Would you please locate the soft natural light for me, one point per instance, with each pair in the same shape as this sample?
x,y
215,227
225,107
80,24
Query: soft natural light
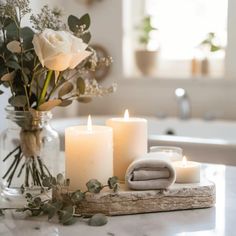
x,y
183,24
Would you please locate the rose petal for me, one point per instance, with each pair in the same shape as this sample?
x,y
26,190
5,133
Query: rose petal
x,y
37,48
59,62
78,58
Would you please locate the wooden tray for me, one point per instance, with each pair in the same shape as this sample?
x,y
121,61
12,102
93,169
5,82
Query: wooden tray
x,y
127,202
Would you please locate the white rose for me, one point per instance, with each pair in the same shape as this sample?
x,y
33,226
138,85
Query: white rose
x,y
59,50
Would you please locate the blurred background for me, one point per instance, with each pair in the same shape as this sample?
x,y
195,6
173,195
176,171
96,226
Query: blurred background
x,y
158,46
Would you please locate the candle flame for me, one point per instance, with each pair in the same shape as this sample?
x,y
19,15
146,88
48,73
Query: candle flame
x,y
126,115
184,161
89,123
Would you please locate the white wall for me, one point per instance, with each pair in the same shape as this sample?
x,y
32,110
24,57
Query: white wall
x,y
146,96
152,96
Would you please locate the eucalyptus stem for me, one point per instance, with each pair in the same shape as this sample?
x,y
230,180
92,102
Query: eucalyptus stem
x,y
45,87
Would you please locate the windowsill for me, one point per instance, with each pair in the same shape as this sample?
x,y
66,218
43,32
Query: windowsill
x,y
176,82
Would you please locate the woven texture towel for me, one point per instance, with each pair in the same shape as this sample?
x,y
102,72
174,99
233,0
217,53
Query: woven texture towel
x,y
147,174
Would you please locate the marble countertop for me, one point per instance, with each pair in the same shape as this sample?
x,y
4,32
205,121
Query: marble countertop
x,y
219,220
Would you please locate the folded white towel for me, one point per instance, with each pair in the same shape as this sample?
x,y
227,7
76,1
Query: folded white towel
x,y
145,174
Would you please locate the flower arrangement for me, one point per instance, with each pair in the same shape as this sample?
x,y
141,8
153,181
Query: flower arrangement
x,y
44,66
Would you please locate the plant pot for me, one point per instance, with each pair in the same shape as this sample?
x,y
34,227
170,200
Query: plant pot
x,y
29,151
146,61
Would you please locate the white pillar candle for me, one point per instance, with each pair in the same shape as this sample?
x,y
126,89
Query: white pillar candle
x,y
89,154
187,171
130,141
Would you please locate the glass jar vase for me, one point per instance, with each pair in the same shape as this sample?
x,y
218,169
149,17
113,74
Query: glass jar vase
x,y
29,151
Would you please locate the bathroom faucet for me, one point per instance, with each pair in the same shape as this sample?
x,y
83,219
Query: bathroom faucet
x,y
183,102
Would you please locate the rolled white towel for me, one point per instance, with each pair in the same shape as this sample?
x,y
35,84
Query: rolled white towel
x,y
146,174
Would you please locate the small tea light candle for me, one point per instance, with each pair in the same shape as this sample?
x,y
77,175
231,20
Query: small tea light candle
x,y
187,171
167,153
89,154
130,141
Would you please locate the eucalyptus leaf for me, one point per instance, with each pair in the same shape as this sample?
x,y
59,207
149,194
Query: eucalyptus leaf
x,y
65,103
85,20
12,31
13,65
94,186
27,34
8,77
73,23
65,216
49,105
86,37
80,85
51,211
77,196
46,182
14,46
84,99
71,221
98,220
65,89
60,179
18,101
112,182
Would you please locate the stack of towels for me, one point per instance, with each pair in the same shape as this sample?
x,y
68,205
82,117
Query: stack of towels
x,y
147,174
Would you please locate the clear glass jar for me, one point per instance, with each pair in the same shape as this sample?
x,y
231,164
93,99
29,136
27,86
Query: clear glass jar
x,y
29,151
168,152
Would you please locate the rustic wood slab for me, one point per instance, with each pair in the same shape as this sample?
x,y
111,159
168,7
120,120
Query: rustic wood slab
x,y
127,202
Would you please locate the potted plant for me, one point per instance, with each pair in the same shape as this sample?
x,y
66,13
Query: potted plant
x,y
208,45
146,59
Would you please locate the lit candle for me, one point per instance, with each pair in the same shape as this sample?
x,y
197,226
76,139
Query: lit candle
x,y
130,141
89,154
187,171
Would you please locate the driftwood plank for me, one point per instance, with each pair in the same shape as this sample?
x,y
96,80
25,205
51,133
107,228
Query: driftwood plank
x,y
127,202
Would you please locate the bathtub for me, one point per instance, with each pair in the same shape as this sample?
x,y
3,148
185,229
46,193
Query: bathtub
x,y
204,141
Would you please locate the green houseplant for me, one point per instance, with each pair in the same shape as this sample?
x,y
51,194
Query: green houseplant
x,y
207,46
146,59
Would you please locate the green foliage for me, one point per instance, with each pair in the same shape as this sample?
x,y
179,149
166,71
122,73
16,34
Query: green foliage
x,y
94,186
98,220
210,42
64,202
38,87
145,29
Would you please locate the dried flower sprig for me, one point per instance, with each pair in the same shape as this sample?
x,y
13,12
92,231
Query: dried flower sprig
x,y
47,19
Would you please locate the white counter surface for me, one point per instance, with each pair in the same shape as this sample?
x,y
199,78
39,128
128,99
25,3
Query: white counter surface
x,y
219,220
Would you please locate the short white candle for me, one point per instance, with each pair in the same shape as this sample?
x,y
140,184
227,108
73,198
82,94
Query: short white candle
x,y
187,171
169,153
89,154
130,141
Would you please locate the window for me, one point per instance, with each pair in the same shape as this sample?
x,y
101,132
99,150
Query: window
x,y
182,26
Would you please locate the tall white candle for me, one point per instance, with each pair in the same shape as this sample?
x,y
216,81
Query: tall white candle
x,y
187,171
89,154
130,141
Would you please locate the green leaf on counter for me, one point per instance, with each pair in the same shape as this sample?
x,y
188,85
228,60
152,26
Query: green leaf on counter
x,y
94,186
98,220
